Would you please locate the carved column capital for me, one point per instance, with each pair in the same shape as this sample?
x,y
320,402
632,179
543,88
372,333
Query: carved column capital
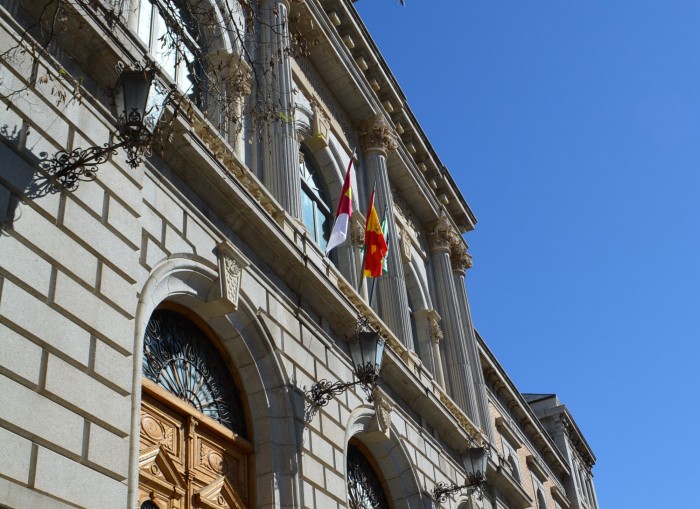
x,y
376,135
459,257
441,234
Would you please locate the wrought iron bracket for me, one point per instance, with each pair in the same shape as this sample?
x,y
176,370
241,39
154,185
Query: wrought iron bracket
x,y
323,391
475,484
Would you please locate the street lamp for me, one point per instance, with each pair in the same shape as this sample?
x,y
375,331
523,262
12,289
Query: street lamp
x,y
140,100
366,351
475,463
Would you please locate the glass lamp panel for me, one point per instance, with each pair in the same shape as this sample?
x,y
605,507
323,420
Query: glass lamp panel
x,y
130,97
476,461
157,98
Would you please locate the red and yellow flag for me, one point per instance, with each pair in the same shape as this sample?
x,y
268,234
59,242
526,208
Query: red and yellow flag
x,y
375,244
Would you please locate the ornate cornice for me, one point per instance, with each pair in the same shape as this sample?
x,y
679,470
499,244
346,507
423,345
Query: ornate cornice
x,y
376,135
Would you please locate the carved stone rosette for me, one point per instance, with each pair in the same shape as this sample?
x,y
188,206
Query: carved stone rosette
x,y
376,135
231,266
441,234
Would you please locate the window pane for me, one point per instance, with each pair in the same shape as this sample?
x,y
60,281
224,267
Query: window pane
x,y
323,229
144,24
307,212
160,46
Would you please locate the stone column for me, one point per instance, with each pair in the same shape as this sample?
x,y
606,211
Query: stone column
x,y
376,139
461,261
441,237
280,157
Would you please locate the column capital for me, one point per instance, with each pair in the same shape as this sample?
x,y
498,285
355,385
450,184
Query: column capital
x,y
376,135
441,234
460,258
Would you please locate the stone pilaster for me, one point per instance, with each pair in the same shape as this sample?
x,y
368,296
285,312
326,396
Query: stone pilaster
x,y
461,261
441,236
376,139
280,155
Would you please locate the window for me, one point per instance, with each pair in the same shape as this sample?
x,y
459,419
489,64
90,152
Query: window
x,y
173,39
315,211
541,503
365,489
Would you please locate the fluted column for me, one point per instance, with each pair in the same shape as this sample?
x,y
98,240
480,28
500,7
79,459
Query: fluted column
x,y
441,237
280,155
376,139
461,261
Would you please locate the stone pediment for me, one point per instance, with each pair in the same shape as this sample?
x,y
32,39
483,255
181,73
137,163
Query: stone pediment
x,y
218,495
160,472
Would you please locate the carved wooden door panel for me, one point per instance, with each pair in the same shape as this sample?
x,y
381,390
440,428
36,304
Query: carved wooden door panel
x,y
187,460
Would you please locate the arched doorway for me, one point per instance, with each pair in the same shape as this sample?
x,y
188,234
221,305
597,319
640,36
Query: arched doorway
x,y
194,448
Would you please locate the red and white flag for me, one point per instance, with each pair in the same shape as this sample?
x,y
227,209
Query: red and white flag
x,y
342,215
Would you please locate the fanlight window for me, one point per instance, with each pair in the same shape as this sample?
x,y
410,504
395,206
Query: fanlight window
x,y
173,39
365,489
178,356
315,211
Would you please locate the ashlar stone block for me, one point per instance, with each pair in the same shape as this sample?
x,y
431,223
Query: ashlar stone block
x,y
68,480
45,323
19,355
57,425
87,395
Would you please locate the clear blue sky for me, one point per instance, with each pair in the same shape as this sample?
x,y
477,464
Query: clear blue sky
x,y
573,130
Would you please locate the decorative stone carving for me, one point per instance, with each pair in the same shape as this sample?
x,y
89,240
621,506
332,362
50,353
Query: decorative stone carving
x,y
436,334
320,127
357,229
376,134
383,408
405,244
441,234
231,266
459,257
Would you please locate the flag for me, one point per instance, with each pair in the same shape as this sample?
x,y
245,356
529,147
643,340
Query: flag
x,y
375,245
342,215
385,231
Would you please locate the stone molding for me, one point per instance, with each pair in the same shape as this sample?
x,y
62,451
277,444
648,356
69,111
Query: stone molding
x,y
376,135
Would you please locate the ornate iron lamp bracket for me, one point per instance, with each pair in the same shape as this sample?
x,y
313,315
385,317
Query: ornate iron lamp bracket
x,y
366,371
475,484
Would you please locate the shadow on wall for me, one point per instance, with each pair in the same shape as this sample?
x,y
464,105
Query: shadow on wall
x,y
23,175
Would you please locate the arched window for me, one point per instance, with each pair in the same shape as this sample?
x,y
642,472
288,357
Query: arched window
x,y
365,490
315,211
541,503
172,36
193,444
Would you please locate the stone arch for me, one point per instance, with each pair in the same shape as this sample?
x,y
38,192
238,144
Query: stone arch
x,y
390,456
189,280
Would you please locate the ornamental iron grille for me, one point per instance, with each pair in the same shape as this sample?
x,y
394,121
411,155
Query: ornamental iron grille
x,y
365,489
178,356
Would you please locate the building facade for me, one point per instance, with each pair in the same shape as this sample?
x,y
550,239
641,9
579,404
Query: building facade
x,y
161,324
